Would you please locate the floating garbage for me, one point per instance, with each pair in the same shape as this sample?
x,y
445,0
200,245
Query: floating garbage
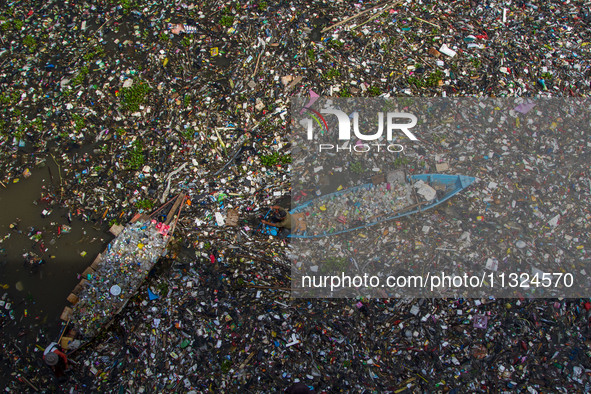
x,y
94,93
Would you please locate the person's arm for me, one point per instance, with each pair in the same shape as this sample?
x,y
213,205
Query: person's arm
x,y
270,224
49,348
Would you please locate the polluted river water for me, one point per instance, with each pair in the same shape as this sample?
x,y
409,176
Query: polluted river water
x,y
42,253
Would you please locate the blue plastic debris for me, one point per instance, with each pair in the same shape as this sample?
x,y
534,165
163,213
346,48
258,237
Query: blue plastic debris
x,y
152,296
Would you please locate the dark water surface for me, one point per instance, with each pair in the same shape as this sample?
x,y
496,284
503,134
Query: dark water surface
x,y
41,289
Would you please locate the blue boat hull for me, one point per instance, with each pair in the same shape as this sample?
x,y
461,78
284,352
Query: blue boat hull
x,y
453,183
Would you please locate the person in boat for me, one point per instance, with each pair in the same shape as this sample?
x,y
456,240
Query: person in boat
x,y
56,359
279,218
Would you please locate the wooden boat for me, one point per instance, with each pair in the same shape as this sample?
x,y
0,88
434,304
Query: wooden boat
x,y
373,203
116,274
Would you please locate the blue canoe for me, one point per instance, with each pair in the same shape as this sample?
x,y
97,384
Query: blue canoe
x,y
373,204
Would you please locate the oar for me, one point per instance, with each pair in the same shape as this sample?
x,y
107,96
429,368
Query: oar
x,y
64,330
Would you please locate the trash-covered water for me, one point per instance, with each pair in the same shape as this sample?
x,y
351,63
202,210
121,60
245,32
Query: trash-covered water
x,y
206,112
42,252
